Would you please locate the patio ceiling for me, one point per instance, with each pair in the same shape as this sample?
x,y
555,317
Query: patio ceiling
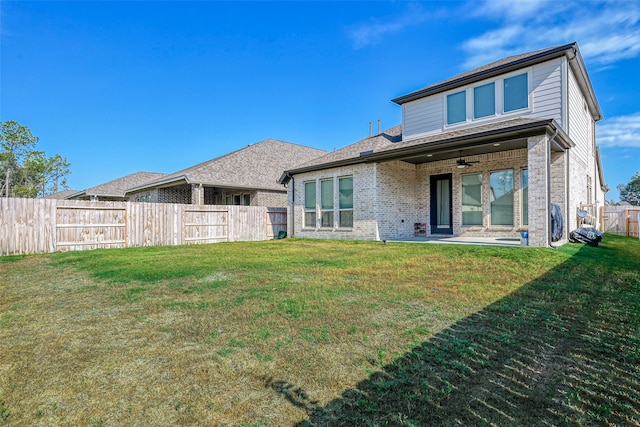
x,y
465,150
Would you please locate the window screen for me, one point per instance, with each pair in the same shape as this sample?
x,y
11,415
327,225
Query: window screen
x,y
484,100
502,197
516,92
456,107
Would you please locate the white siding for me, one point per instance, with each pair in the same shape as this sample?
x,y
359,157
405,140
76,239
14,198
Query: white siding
x,y
547,91
579,126
423,116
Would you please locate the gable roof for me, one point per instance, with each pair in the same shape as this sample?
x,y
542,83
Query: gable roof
x,y
255,167
513,63
60,194
445,145
117,187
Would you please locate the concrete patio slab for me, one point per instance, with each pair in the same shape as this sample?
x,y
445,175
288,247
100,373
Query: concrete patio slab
x,y
492,241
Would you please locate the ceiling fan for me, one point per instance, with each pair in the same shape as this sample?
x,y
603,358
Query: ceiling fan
x,y
462,163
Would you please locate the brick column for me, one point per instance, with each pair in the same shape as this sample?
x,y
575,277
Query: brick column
x,y
559,185
538,164
197,194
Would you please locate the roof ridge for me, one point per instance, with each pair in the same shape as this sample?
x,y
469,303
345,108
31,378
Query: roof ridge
x,y
484,71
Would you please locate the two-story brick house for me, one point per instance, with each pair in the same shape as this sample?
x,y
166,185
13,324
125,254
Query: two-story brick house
x,y
485,153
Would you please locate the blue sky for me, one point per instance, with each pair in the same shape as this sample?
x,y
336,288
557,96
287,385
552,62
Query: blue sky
x,y
120,87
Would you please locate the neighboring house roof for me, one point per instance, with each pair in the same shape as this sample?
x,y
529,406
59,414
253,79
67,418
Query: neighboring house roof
x,y
117,187
60,194
446,145
255,167
513,63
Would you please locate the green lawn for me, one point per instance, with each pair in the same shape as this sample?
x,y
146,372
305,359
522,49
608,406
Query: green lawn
x,y
322,333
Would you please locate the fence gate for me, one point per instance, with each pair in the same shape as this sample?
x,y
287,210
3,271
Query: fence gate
x,y
276,222
90,227
620,220
206,226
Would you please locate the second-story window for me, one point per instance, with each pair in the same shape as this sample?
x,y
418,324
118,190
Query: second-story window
x,y
456,107
502,96
484,100
516,92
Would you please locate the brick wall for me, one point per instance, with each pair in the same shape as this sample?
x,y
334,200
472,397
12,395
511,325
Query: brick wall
x,y
398,187
390,197
178,194
269,198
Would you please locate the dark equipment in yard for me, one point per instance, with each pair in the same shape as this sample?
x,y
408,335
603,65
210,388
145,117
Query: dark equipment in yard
x,y
588,235
556,223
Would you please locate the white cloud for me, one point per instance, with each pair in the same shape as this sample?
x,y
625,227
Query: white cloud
x,y
605,31
510,9
620,131
370,33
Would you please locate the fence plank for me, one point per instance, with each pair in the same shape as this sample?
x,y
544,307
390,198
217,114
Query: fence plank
x,y
632,222
30,226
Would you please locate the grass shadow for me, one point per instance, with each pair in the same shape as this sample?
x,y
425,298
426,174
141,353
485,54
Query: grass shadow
x,y
562,350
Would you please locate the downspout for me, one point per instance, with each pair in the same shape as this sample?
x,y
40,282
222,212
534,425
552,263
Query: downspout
x,y
568,191
594,184
549,231
292,206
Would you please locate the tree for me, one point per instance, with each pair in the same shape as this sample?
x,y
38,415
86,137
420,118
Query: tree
x,y
57,168
16,141
28,172
631,191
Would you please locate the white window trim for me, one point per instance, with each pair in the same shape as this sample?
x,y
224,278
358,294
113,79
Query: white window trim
x,y
499,100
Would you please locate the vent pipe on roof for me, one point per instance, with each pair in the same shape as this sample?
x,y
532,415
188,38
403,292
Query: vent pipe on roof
x,y
370,129
378,126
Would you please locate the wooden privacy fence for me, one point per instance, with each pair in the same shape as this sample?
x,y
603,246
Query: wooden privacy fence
x,y
29,226
620,220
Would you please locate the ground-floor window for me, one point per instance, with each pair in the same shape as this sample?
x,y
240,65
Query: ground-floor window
x,y
472,199
501,197
238,199
310,204
326,203
345,190
525,197
329,193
